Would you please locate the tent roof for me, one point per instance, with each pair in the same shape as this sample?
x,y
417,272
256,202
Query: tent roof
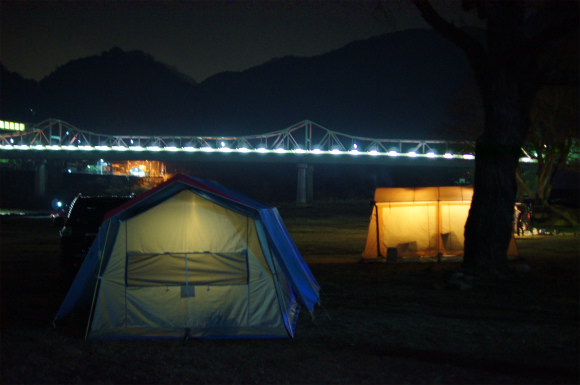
x,y
179,182
424,194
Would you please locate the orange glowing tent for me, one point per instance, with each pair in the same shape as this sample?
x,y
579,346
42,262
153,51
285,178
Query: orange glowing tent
x,y
420,222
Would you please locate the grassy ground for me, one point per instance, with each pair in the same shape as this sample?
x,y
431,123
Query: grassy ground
x,y
379,323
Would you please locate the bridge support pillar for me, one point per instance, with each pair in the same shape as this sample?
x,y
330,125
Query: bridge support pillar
x,y
40,180
310,184
47,182
305,185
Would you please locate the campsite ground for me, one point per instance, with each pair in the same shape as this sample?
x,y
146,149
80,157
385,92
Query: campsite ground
x,y
380,323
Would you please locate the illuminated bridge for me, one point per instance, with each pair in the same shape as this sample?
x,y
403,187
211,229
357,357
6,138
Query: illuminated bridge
x,y
303,143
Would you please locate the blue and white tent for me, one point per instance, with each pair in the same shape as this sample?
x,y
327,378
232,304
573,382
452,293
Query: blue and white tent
x,y
191,258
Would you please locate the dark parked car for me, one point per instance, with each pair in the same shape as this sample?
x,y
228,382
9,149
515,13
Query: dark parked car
x,y
81,224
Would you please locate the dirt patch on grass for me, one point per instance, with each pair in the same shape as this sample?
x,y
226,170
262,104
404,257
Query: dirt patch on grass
x,y
379,323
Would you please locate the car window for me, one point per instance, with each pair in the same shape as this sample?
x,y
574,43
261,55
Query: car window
x,y
92,211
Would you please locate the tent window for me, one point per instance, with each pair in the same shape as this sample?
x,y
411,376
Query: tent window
x,y
184,269
187,291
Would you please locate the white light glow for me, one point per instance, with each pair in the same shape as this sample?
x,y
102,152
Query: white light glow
x,y
222,146
527,160
136,171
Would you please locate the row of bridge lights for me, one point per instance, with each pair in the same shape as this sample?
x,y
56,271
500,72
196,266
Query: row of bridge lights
x,y
224,148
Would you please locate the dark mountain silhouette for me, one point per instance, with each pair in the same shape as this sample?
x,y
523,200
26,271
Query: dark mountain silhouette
x,y
18,97
395,85
115,92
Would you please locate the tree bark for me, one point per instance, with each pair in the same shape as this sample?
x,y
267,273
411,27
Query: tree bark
x,y
565,214
523,186
492,207
488,229
507,95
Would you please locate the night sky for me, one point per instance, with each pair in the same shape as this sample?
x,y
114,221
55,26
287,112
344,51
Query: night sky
x,y
198,38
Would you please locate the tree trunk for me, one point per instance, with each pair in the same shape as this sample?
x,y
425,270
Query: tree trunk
x,y
523,186
506,70
492,207
488,229
507,85
565,214
545,166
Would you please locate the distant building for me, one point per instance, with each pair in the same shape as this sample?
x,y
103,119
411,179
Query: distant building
x,y
12,126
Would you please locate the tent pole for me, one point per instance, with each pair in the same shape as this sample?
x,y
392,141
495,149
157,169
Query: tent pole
x,y
378,237
98,283
439,230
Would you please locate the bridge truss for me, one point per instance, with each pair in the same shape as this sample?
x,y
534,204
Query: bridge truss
x,y
305,137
